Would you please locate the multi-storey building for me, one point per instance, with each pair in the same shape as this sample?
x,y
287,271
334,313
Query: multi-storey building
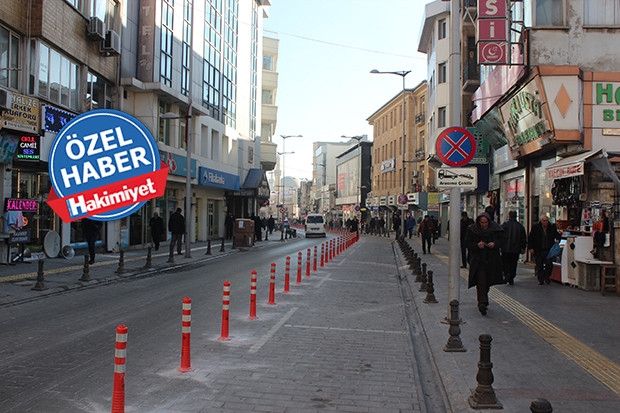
x,y
324,177
189,71
389,161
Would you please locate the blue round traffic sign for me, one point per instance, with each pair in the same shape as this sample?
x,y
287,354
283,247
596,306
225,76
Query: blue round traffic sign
x,y
455,146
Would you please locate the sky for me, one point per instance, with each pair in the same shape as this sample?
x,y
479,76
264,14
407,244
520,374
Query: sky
x,y
326,52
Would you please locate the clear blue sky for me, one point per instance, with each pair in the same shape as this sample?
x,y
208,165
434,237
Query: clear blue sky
x,y
327,50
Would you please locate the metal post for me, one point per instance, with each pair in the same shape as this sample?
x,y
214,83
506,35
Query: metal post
x,y
188,182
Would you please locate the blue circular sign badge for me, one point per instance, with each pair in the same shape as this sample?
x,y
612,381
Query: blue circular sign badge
x,y
104,164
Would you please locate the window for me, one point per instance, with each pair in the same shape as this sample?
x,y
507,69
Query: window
x,y
442,73
602,13
441,117
163,134
550,13
188,11
442,29
267,62
60,85
98,93
9,58
167,18
267,97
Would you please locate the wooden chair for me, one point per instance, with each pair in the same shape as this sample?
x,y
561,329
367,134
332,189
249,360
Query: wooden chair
x,y
609,278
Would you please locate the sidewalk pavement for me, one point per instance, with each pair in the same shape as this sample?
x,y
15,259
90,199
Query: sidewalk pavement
x,y
552,342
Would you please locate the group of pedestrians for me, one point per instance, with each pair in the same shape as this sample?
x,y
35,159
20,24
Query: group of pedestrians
x,y
492,251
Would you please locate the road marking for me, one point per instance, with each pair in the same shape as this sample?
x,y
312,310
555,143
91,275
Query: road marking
x,y
594,363
260,343
358,330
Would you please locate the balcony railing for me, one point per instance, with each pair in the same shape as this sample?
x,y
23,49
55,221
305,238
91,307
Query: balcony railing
x,y
419,118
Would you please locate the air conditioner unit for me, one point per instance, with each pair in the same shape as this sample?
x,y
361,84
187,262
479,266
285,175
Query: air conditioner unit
x,y
6,99
112,43
96,29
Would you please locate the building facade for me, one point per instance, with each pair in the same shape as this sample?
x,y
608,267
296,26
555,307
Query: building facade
x,y
197,63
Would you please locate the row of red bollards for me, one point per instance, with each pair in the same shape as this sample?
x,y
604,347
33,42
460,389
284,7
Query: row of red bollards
x,y
329,249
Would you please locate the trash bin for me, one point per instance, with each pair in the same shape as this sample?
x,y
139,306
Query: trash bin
x,y
243,232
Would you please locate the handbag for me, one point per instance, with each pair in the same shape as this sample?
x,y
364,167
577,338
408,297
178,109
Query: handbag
x,y
554,251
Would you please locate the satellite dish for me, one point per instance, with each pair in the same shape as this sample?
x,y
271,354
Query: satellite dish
x,y
51,244
67,252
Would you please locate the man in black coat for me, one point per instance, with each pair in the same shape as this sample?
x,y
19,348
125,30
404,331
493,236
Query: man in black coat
x,y
176,226
466,221
542,237
158,230
514,245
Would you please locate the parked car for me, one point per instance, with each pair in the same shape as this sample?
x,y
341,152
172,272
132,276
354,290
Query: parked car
x,y
315,225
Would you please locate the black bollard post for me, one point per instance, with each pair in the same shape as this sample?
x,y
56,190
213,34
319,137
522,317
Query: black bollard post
x,y
418,272
541,406
86,271
121,263
484,395
149,258
267,234
222,247
423,285
40,284
454,343
430,289
208,247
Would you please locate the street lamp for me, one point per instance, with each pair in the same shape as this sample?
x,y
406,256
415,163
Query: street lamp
x,y
401,73
359,165
284,138
188,174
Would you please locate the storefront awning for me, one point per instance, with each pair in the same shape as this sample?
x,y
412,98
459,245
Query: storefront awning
x,y
575,165
257,180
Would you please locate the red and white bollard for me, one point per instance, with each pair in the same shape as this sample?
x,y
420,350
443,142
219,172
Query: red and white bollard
x,y
322,254
299,264
287,274
225,311
186,330
308,263
314,262
253,296
120,356
272,285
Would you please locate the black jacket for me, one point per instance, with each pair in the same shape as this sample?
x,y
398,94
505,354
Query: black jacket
x,y
537,240
514,237
176,223
485,258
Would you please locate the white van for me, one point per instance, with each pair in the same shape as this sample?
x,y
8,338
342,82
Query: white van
x,y
315,225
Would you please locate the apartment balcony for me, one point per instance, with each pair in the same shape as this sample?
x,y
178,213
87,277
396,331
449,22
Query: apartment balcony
x,y
420,118
268,155
471,76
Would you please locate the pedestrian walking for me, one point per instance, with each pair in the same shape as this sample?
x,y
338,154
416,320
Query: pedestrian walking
x,y
158,230
176,226
271,223
258,227
90,231
437,225
381,226
513,246
466,221
229,223
540,240
426,229
410,223
483,240
396,224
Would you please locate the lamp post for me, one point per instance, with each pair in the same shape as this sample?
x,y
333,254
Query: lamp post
x,y
359,166
401,73
188,174
284,138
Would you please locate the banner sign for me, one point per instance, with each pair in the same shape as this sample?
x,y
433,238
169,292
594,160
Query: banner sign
x,y
104,165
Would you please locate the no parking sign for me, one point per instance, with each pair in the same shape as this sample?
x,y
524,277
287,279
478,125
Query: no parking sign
x,y
104,164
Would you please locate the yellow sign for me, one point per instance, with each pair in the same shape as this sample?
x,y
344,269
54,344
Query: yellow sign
x,y
23,115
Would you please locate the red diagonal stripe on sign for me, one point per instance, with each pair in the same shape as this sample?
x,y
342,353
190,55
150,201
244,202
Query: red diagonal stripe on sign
x,y
141,184
456,146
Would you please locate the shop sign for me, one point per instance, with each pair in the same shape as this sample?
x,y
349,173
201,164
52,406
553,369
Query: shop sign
x,y
23,205
492,31
23,115
525,117
388,165
606,105
29,148
54,119
21,236
565,171
217,179
104,164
